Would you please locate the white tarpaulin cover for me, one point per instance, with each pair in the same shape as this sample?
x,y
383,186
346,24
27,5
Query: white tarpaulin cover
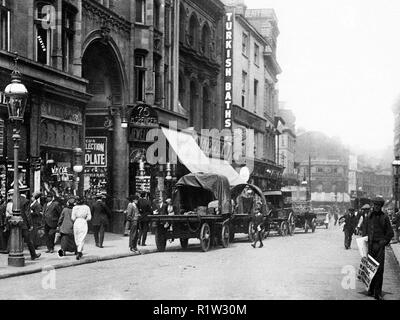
x,y
190,154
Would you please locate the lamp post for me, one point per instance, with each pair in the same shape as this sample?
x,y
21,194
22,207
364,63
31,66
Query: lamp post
x,y
16,96
78,167
396,175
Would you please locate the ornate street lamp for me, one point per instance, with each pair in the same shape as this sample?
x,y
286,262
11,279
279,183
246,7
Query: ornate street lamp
x,y
78,166
396,175
16,96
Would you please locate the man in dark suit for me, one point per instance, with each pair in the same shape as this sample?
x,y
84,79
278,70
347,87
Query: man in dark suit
x,y
350,224
37,219
27,225
378,228
51,213
144,206
100,219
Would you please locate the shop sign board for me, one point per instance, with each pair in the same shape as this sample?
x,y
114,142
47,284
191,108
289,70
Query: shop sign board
x,y
142,118
96,152
228,84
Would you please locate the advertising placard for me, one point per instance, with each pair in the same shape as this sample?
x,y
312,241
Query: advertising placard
x,y
96,152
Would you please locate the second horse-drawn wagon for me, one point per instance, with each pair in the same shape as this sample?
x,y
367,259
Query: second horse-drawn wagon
x,y
247,199
203,209
281,216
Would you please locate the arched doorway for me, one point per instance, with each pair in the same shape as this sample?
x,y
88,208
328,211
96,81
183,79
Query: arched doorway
x,y
106,155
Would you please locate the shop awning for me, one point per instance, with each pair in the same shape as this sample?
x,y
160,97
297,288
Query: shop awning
x,y
190,154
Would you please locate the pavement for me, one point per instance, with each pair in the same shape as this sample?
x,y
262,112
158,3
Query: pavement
x,y
115,247
396,251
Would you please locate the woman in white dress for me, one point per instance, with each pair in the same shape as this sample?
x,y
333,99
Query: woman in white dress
x,y
80,215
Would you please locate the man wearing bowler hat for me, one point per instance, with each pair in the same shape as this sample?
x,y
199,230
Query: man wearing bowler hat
x,y
379,231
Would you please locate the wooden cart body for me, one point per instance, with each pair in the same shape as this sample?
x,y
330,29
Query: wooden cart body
x,y
195,219
242,222
281,217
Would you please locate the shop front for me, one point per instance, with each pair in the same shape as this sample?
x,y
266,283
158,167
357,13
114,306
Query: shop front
x,y
61,132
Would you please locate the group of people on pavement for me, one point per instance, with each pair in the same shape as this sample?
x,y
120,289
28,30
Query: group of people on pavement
x,y
69,221
137,217
376,225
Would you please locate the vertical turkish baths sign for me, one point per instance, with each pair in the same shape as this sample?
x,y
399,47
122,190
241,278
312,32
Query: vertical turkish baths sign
x,y
228,86
96,152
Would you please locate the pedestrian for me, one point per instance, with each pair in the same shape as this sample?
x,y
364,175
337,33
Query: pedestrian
x,y
378,228
66,229
361,217
80,216
258,225
5,216
51,212
336,216
396,226
350,223
133,217
37,218
26,224
144,206
100,219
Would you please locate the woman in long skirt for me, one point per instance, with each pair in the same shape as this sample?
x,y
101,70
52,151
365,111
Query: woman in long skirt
x,y
80,215
66,229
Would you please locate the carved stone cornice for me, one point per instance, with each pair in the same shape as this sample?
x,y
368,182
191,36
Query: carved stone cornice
x,y
105,17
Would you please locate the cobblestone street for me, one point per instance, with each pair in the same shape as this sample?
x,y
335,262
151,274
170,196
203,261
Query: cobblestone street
x,y
304,266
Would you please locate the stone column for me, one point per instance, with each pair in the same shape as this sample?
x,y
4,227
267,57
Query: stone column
x,y
120,176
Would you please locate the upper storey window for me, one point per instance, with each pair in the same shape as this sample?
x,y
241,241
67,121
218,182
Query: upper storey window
x,y
4,26
140,11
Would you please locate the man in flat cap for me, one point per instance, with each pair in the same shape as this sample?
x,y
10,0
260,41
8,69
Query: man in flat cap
x,y
350,223
378,228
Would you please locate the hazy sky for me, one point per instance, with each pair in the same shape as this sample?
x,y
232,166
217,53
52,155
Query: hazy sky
x,y
341,65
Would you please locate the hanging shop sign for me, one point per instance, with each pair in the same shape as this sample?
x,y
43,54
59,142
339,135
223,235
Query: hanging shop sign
x,y
142,118
229,18
96,152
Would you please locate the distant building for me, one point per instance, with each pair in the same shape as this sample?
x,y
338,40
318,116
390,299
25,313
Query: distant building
x,y
287,146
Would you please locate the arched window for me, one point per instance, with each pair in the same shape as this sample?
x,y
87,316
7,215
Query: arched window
x,y
193,31
205,40
182,23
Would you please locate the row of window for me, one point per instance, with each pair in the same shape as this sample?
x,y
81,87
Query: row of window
x,y
245,48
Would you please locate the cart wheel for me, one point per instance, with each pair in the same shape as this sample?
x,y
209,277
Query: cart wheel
x,y
205,237
251,232
284,229
184,243
161,240
313,225
225,236
306,226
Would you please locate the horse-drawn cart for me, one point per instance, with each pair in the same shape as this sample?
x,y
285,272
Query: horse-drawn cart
x,y
203,203
245,206
281,217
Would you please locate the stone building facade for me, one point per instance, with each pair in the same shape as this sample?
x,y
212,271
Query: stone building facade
x,y
89,66
254,96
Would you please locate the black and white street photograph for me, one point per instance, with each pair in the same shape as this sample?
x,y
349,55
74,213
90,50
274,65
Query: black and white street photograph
x,y
200,150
